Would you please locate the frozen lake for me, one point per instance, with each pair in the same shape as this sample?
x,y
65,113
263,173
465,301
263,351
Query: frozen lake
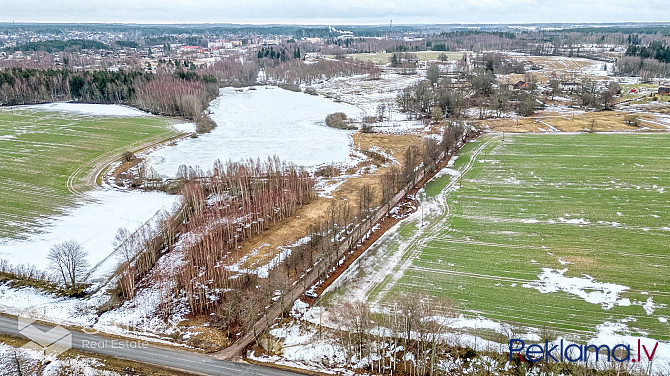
x,y
260,123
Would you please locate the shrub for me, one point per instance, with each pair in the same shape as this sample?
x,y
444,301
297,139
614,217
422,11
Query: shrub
x,y
128,156
327,171
204,124
311,91
632,119
337,120
367,128
291,87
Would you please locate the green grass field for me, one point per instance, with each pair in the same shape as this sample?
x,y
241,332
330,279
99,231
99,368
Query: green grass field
x,y
569,207
48,158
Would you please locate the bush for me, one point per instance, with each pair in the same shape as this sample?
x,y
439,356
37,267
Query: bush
x,y
290,87
327,171
370,119
204,124
128,156
632,119
367,128
337,120
311,91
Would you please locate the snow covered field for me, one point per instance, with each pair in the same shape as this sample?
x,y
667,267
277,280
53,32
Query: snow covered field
x,y
368,95
260,123
93,225
89,109
96,215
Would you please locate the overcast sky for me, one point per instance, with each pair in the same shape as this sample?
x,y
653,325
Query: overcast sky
x,y
333,11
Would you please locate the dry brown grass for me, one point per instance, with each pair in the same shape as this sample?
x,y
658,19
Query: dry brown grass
x,y
263,248
563,68
202,335
600,121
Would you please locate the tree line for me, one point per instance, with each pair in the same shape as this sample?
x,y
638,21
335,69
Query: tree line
x,y
646,61
55,45
296,72
183,93
655,50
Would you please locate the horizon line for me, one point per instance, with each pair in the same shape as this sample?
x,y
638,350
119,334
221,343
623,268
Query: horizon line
x,y
162,23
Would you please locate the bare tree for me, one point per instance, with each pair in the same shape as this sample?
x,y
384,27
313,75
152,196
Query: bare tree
x,y
431,153
365,198
123,244
606,96
69,260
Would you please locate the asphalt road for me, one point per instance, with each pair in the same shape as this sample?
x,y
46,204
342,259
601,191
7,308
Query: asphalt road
x,y
145,353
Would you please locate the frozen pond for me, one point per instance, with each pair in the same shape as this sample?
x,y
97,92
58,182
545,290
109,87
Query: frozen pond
x,y
261,123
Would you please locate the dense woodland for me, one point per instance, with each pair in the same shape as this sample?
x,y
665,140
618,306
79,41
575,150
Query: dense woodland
x,y
175,90
296,72
58,45
647,61
180,94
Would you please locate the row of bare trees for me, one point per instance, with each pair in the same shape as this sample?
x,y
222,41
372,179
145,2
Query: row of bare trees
x,y
139,250
174,96
408,338
297,72
646,68
232,71
347,223
237,201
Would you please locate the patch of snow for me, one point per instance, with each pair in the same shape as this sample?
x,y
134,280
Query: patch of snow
x,y
563,262
90,109
184,127
649,306
602,293
93,224
263,271
574,221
